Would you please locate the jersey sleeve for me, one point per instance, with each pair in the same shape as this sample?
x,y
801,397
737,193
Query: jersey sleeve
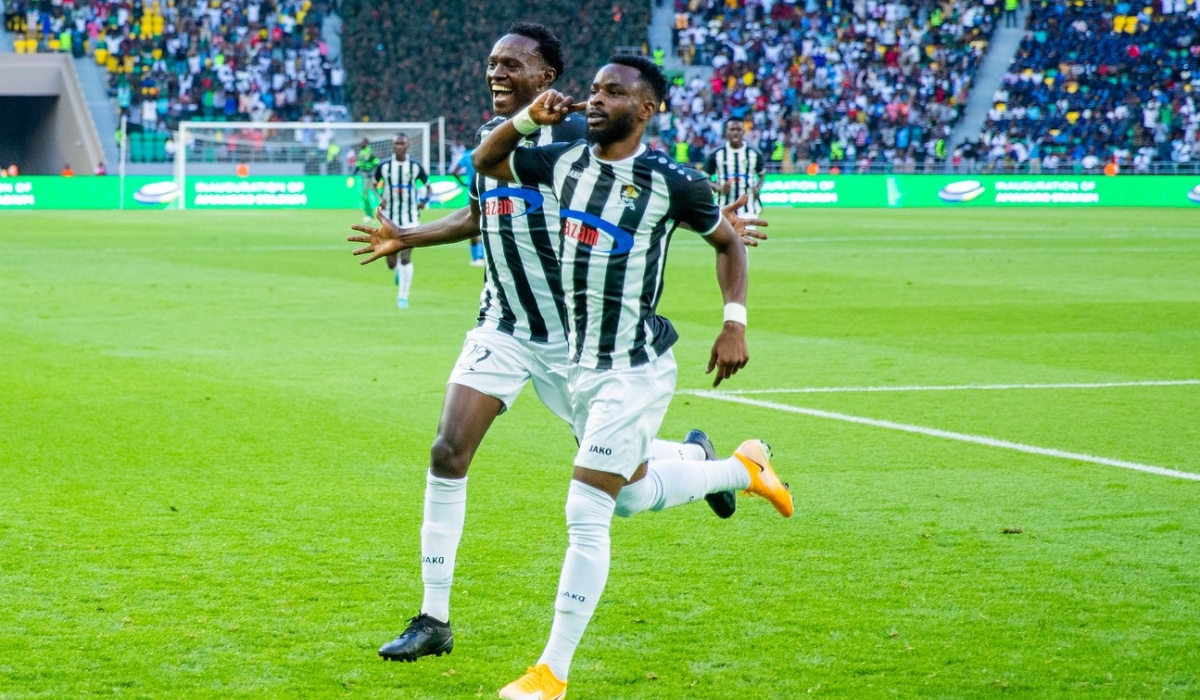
x,y
573,128
535,166
377,172
760,166
421,174
473,189
692,203
710,164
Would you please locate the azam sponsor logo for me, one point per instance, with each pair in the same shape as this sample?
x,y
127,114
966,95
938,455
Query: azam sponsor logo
x,y
499,201
961,191
587,229
498,207
162,192
580,232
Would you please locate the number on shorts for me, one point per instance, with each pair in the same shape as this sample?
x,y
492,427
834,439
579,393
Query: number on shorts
x,y
474,357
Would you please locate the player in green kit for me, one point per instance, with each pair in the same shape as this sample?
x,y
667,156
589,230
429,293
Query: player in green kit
x,y
365,163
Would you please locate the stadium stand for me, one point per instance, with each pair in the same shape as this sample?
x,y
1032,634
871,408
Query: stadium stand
x,y
848,84
235,60
404,70
1100,82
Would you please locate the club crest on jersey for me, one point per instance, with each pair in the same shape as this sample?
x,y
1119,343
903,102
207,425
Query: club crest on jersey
x,y
587,229
629,195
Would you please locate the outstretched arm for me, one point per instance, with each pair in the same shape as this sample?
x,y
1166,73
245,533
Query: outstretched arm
x,y
390,239
729,352
491,158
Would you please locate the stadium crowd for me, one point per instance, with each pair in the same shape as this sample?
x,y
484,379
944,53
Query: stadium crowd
x,y
1099,83
168,60
397,52
850,83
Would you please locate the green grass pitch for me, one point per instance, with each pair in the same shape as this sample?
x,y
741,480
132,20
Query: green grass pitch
x,y
214,429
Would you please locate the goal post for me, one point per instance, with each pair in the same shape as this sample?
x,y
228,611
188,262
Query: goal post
x,y
229,149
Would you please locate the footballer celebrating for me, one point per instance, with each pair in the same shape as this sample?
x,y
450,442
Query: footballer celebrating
x,y
520,338
619,203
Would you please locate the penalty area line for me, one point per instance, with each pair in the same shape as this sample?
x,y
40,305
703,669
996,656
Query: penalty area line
x,y
948,435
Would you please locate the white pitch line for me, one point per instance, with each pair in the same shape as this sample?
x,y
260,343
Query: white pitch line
x,y
1181,234
962,437
946,387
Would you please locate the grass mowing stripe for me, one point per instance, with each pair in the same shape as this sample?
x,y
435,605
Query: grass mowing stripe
x,y
961,437
952,387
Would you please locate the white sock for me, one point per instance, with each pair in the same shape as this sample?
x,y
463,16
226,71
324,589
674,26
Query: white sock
x,y
584,572
445,510
672,482
661,449
406,275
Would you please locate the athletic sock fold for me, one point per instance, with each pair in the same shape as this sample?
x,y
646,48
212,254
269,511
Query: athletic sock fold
x,y
662,449
674,482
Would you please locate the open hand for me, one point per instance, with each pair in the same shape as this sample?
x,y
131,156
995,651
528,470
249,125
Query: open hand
x,y
381,241
750,236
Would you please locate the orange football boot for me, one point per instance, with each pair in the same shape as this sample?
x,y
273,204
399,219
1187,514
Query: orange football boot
x,y
539,683
755,456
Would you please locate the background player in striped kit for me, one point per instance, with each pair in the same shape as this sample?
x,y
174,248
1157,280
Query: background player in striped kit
x,y
619,204
519,271
397,177
737,169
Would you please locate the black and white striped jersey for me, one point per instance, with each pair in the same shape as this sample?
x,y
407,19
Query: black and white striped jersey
x,y
400,195
522,283
742,168
617,219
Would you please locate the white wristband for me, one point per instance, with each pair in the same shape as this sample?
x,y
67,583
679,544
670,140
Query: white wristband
x,y
735,313
524,123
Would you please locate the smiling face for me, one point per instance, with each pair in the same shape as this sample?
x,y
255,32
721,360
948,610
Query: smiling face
x,y
516,74
618,102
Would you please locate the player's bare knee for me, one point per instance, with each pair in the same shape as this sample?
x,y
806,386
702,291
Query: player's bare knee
x,y
448,460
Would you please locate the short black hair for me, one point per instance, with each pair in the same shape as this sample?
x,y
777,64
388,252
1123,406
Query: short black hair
x,y
735,120
548,45
651,74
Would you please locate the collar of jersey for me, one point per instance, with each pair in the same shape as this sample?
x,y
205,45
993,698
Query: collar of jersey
x,y
641,149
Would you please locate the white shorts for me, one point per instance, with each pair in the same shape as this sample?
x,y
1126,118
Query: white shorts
x,y
499,365
617,412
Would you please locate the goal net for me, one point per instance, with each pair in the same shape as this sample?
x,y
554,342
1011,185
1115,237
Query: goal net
x,y
291,149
